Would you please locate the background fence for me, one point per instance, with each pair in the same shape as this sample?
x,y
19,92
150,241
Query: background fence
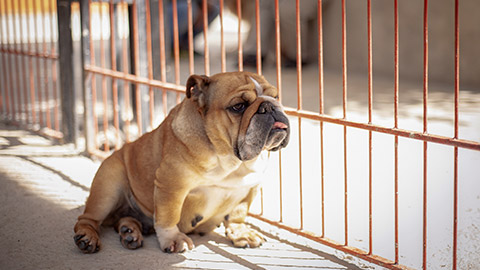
x,y
383,160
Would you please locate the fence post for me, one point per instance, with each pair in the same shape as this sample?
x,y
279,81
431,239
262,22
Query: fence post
x,y
139,61
67,89
87,85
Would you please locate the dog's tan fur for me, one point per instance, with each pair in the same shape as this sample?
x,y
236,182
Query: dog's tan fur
x,y
184,176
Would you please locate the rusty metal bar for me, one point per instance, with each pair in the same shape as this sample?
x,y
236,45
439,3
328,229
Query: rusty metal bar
x,y
395,102
31,54
93,79
17,66
135,79
321,105
136,60
455,160
45,66
222,39
5,84
299,104
163,66
333,244
22,60
149,60
54,28
425,128
113,64
370,145
259,40
9,63
176,50
30,68
104,81
240,44
279,87
191,68
461,143
278,51
4,60
205,37
126,85
344,72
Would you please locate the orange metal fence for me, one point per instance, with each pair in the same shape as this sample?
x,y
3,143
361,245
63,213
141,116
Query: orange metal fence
x,y
29,61
126,87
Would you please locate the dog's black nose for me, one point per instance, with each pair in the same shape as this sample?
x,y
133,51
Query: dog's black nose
x,y
266,107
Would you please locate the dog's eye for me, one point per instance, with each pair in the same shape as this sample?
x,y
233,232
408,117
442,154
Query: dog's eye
x,y
239,107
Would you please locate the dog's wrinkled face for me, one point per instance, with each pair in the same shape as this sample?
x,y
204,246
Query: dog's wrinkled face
x,y
241,113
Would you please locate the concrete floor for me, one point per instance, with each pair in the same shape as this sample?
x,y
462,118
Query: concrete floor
x,y
44,187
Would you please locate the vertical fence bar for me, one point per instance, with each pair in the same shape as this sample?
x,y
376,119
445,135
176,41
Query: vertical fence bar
x,y
113,64
370,146
15,62
45,65
136,60
54,28
299,104
205,37
93,78
321,109
56,120
126,84
66,62
425,123
85,15
104,80
10,63
22,60
455,166
3,45
240,45
30,65
259,64
176,49
191,68
149,59
39,75
16,57
395,112
279,87
163,66
344,71
259,40
222,39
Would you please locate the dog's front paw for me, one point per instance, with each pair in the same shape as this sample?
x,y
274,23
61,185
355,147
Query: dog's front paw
x,y
242,236
171,240
87,240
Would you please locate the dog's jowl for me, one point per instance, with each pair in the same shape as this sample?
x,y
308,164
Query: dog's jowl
x,y
192,173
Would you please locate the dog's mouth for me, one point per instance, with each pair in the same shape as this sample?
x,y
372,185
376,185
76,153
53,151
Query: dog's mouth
x,y
278,136
280,125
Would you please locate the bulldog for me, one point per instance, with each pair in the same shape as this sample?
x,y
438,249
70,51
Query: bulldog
x,y
192,172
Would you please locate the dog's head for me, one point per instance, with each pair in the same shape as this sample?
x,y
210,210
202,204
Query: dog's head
x,y
241,113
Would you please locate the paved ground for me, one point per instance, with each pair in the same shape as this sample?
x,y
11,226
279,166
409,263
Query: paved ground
x,y
43,189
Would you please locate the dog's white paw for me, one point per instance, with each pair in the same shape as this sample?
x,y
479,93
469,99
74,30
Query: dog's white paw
x,y
171,240
242,236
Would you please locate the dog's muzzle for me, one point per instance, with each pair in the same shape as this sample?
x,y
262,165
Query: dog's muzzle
x,y
269,129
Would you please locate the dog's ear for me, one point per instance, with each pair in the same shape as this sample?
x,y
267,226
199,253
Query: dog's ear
x,y
196,87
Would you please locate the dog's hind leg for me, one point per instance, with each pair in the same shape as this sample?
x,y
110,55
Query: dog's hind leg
x,y
108,189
